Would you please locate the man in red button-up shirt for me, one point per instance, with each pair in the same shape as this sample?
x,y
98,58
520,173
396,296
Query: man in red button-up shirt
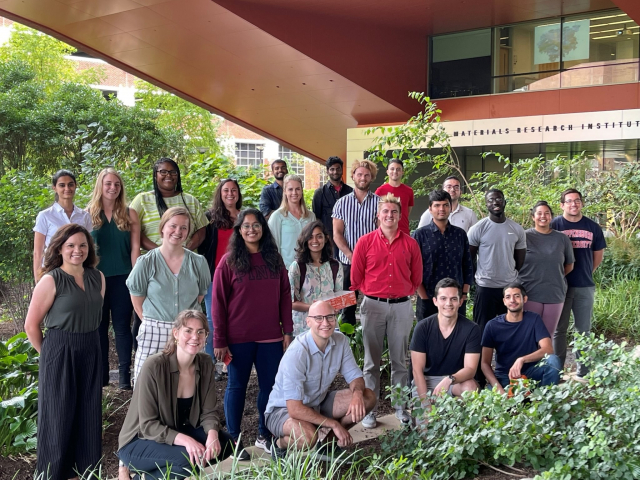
x,y
387,268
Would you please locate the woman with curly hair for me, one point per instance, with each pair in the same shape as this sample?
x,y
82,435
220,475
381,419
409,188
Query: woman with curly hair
x,y
68,299
252,318
116,233
314,273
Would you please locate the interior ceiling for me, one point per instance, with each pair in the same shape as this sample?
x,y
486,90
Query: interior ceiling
x,y
298,71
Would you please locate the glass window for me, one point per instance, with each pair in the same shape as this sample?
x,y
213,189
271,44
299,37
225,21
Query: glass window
x,y
527,57
249,154
599,49
460,64
619,152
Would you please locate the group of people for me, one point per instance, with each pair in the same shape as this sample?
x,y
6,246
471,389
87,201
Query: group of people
x,y
263,274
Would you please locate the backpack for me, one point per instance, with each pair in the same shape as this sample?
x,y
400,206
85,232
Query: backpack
x,y
335,265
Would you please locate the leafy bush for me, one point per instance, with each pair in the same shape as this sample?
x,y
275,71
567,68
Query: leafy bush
x,y
569,431
621,262
18,395
616,309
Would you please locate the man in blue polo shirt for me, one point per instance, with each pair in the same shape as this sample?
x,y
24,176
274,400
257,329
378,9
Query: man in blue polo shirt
x,y
520,340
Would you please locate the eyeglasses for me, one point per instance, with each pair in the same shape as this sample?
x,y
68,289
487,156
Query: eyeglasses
x,y
320,318
577,201
246,227
164,173
452,187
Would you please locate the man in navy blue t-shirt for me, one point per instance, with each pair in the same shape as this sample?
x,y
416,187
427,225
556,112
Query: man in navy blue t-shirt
x,y
520,340
588,249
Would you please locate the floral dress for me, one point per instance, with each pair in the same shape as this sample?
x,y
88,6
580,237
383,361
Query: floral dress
x,y
318,281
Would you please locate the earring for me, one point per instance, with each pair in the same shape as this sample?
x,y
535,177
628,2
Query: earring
x,y
175,340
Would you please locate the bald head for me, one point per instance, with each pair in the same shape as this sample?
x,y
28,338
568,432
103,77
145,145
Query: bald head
x,y
321,308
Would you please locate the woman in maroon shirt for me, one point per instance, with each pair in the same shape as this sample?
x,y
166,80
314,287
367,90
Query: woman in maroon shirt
x,y
251,311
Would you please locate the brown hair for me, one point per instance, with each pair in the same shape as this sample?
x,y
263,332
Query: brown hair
x,y
53,258
368,164
181,321
567,192
173,212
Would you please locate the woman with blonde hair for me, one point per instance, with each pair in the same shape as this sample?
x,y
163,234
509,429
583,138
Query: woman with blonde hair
x,y
116,233
172,424
165,281
68,301
287,222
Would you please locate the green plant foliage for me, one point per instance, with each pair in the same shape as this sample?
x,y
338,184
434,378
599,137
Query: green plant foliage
x,y
22,195
572,430
356,342
18,395
621,262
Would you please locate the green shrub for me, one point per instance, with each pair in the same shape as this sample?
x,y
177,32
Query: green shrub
x,y
616,309
621,262
18,395
569,431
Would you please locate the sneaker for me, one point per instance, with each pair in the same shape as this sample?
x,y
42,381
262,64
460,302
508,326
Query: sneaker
x,y
404,417
329,451
263,443
240,453
277,453
369,421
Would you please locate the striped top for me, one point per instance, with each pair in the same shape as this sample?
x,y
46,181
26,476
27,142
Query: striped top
x,y
359,218
145,205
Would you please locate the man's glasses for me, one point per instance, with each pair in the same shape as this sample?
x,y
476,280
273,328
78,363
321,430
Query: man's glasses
x,y
321,318
572,202
452,187
164,173
246,227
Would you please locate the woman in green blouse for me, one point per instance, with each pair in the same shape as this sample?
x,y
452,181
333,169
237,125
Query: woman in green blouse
x,y
165,281
116,233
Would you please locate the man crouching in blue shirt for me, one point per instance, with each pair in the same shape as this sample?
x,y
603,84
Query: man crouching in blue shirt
x,y
521,340
301,408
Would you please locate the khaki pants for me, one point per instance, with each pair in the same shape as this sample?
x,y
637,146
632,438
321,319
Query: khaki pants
x,y
395,321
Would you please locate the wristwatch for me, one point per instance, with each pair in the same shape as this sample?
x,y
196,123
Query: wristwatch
x,y
453,379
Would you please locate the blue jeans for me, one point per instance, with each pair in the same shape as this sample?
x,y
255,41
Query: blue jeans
x,y
547,372
208,347
266,357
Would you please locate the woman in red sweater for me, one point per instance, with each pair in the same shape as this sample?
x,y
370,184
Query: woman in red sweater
x,y
252,318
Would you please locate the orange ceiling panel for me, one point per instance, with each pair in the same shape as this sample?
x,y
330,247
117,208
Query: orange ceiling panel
x,y
298,71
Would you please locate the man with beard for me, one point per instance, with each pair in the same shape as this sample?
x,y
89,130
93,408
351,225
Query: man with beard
x,y
387,269
460,216
354,215
326,196
395,187
445,254
520,340
271,196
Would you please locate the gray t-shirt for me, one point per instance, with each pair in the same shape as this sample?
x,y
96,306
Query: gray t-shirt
x,y
543,271
496,243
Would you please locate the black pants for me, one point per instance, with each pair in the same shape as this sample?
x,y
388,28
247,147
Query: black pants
x,y
349,313
135,326
117,306
487,305
156,459
426,308
69,405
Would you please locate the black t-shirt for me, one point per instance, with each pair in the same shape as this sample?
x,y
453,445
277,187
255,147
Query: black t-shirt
x,y
512,340
445,356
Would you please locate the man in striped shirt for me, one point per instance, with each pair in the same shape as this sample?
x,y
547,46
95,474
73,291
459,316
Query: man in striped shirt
x,y
354,215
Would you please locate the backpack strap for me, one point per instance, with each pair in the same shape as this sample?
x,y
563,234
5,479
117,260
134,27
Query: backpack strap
x,y
334,264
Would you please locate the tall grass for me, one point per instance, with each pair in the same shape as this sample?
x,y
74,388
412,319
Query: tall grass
x,y
616,310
